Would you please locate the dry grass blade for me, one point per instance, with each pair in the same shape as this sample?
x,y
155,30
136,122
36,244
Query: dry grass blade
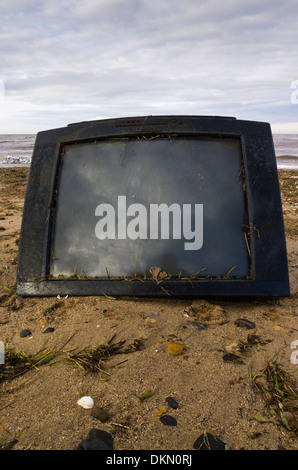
x,y
88,359
92,359
251,341
281,394
17,363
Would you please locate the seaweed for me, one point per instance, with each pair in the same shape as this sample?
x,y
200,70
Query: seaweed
x,y
90,359
17,363
278,387
93,359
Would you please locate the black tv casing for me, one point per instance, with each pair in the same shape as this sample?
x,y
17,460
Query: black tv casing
x,y
269,268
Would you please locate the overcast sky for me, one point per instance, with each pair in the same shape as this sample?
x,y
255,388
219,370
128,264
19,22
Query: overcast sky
x,y
64,61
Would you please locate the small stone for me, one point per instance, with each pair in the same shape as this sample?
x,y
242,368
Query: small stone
x,y
146,394
207,441
172,402
100,413
175,348
244,323
161,411
168,420
49,330
97,439
25,333
199,325
232,358
152,315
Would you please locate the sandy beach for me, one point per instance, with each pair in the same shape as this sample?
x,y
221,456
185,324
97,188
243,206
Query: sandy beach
x,y
229,397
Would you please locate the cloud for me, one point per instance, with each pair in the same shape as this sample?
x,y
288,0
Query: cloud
x,y
116,58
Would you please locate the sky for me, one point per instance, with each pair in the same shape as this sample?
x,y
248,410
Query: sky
x,y
65,61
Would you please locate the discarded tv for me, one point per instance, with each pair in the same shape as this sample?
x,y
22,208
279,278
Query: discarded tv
x,y
169,206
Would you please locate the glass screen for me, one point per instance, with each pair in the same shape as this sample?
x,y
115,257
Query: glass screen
x,y
125,205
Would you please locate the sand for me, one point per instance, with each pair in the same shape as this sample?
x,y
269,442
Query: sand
x,y
39,410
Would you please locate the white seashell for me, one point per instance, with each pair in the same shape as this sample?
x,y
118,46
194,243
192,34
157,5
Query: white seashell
x,y
86,402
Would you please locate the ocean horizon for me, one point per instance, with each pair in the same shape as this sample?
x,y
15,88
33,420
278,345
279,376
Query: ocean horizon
x,y
16,150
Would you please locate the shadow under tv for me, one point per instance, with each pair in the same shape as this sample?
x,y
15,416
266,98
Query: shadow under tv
x,y
154,206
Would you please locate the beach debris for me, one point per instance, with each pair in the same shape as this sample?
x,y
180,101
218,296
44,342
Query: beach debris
x,y
205,312
280,392
198,324
244,323
17,363
25,333
92,359
242,348
110,297
172,403
88,359
161,411
146,394
151,317
208,441
230,357
61,298
86,402
175,347
158,275
97,439
261,419
251,341
168,420
100,413
49,330
8,444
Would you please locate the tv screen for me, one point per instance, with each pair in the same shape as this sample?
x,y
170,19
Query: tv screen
x,y
177,206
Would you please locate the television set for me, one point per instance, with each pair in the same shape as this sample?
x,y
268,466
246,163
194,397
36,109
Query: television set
x,y
154,206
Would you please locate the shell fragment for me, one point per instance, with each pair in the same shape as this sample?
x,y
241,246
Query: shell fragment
x,y
86,402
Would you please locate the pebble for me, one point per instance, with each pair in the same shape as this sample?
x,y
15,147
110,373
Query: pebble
x,y
244,323
152,315
168,420
209,442
199,325
230,357
25,333
175,348
49,330
97,439
100,413
161,411
172,402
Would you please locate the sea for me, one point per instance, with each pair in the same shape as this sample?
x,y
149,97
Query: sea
x,y
16,150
